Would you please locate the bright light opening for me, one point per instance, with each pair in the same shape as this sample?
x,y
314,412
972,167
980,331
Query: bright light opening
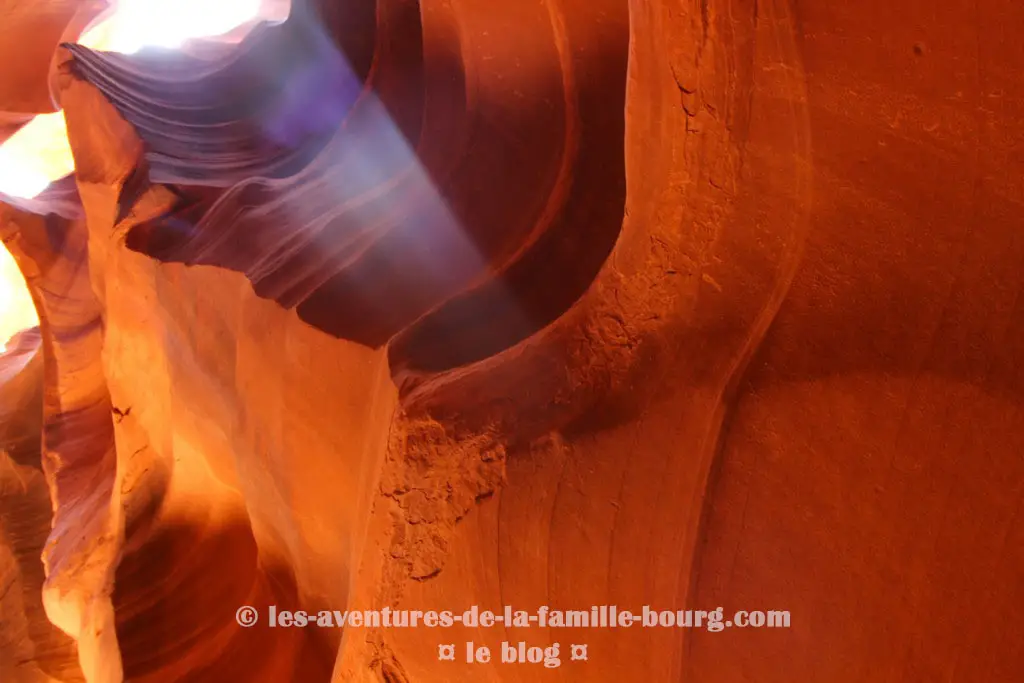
x,y
36,155
136,24
39,153
17,312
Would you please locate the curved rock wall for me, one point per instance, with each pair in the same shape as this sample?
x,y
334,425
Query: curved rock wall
x,y
431,304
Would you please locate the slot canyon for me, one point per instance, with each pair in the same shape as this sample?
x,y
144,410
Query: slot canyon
x,y
324,311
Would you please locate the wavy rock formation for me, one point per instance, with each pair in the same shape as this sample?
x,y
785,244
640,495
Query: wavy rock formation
x,y
440,303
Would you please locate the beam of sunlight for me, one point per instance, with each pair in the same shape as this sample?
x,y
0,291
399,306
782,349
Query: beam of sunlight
x,y
17,311
39,153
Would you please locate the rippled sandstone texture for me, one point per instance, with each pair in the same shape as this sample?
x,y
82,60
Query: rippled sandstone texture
x,y
434,304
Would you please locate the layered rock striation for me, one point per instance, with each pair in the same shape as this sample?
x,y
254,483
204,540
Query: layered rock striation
x,y
434,304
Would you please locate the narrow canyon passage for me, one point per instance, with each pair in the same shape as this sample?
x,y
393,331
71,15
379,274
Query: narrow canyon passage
x,y
688,328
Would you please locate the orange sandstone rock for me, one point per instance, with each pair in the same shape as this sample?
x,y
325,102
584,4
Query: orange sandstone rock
x,y
425,305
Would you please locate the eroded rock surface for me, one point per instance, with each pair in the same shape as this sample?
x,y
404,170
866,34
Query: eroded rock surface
x,y
434,304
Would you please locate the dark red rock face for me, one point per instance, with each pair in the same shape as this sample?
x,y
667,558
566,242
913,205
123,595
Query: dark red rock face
x,y
425,305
